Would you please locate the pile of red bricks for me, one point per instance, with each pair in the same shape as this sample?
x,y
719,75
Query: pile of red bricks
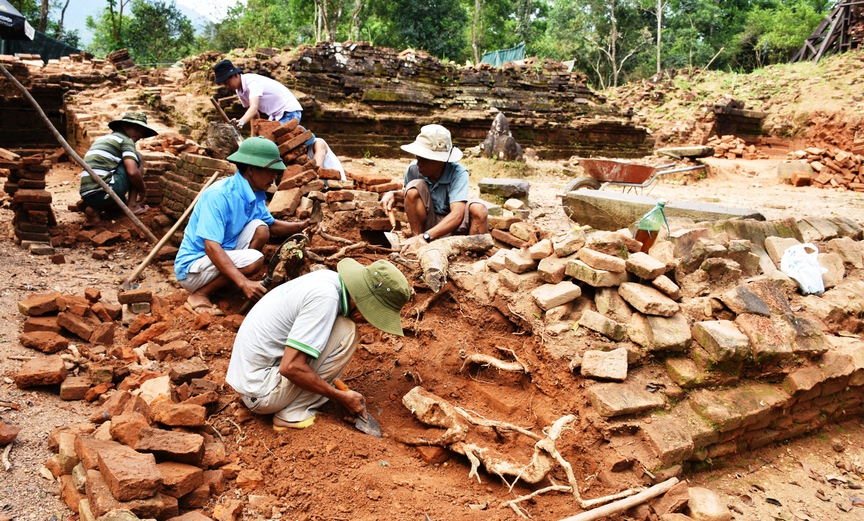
x,y
30,201
834,168
731,147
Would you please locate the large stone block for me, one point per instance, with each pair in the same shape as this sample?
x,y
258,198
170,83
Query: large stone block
x,y
172,445
593,277
36,305
45,341
603,325
178,414
552,269
617,399
179,479
768,339
657,333
610,304
605,365
601,261
502,189
647,299
645,266
722,340
549,296
835,270
741,300
102,501
776,246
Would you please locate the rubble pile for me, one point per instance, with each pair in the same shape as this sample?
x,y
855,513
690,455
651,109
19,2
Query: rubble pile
x,y
731,147
147,446
31,203
831,168
700,348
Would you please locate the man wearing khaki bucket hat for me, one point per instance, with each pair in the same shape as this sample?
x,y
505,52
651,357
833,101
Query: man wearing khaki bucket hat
x,y
229,227
436,191
298,339
113,157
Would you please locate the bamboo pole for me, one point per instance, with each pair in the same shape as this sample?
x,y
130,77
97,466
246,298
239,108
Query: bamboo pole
x,y
74,155
146,262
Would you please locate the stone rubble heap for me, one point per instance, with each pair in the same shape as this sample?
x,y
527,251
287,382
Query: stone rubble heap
x,y
147,447
702,346
731,147
834,168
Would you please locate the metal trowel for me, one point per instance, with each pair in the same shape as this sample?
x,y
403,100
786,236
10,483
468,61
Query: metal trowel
x,y
364,422
391,236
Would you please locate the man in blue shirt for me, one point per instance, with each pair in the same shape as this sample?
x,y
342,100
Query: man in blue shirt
x,y
436,191
229,227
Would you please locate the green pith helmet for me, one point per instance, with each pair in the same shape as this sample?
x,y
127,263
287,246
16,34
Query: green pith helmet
x,y
258,151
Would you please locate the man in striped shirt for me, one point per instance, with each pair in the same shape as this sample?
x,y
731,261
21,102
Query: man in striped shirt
x,y
114,159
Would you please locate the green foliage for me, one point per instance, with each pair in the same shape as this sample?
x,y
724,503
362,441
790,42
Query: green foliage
x,y
774,34
261,23
158,32
435,26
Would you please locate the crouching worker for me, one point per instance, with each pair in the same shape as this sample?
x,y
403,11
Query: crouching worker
x,y
436,191
229,227
298,339
115,159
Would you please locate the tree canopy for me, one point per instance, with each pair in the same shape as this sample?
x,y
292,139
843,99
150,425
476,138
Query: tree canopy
x,y
611,41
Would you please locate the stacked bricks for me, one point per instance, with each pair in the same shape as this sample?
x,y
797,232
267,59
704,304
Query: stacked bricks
x,y
743,367
834,168
31,203
155,166
731,147
181,184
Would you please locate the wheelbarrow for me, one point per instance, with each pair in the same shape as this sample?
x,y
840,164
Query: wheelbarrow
x,y
629,176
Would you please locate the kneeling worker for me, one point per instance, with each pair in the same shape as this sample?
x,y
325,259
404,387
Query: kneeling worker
x,y
300,337
436,191
229,227
114,159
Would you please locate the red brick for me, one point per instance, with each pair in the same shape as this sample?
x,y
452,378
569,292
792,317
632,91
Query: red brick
x,y
149,334
172,445
45,341
432,454
75,324
129,474
297,180
36,305
103,334
105,238
41,371
32,196
216,480
8,433
178,414
87,448
329,173
179,479
102,501
48,323
387,187
126,428
197,498
288,145
74,388
135,295
214,455
95,392
69,494
92,294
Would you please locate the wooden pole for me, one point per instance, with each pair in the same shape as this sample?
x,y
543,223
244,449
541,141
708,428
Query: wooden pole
x,y
623,504
74,155
146,262
234,131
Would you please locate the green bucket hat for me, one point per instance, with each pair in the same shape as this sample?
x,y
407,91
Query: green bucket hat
x,y
379,290
135,118
258,151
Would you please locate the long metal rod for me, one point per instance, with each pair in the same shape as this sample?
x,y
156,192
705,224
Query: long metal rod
x,y
74,155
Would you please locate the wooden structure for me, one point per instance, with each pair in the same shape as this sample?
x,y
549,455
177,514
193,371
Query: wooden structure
x,y
841,31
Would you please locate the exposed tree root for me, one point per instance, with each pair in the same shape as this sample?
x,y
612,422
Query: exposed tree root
x,y
344,251
435,257
479,358
433,410
7,465
513,502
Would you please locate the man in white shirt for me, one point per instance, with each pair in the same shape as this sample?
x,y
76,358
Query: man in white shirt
x,y
300,336
258,93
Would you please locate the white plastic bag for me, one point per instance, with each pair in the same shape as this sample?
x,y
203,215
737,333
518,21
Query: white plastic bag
x,y
801,264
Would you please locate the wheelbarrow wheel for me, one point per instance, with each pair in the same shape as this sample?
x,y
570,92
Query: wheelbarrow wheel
x,y
587,183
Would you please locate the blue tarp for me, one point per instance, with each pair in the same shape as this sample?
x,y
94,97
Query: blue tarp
x,y
502,56
46,47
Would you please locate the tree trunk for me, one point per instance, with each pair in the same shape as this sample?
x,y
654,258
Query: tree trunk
x,y
659,30
474,30
62,17
613,38
43,17
355,20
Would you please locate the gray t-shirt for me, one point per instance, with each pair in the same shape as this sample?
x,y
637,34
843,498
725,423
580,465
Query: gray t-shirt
x,y
298,314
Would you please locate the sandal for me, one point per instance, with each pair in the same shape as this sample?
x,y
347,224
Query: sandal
x,y
295,425
203,308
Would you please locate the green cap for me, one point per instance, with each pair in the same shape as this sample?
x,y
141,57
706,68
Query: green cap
x,y
258,151
379,290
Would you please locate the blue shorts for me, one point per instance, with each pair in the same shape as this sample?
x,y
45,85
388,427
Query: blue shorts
x,y
288,116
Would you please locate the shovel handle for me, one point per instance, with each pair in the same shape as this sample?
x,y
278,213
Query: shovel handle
x,y
339,384
392,216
